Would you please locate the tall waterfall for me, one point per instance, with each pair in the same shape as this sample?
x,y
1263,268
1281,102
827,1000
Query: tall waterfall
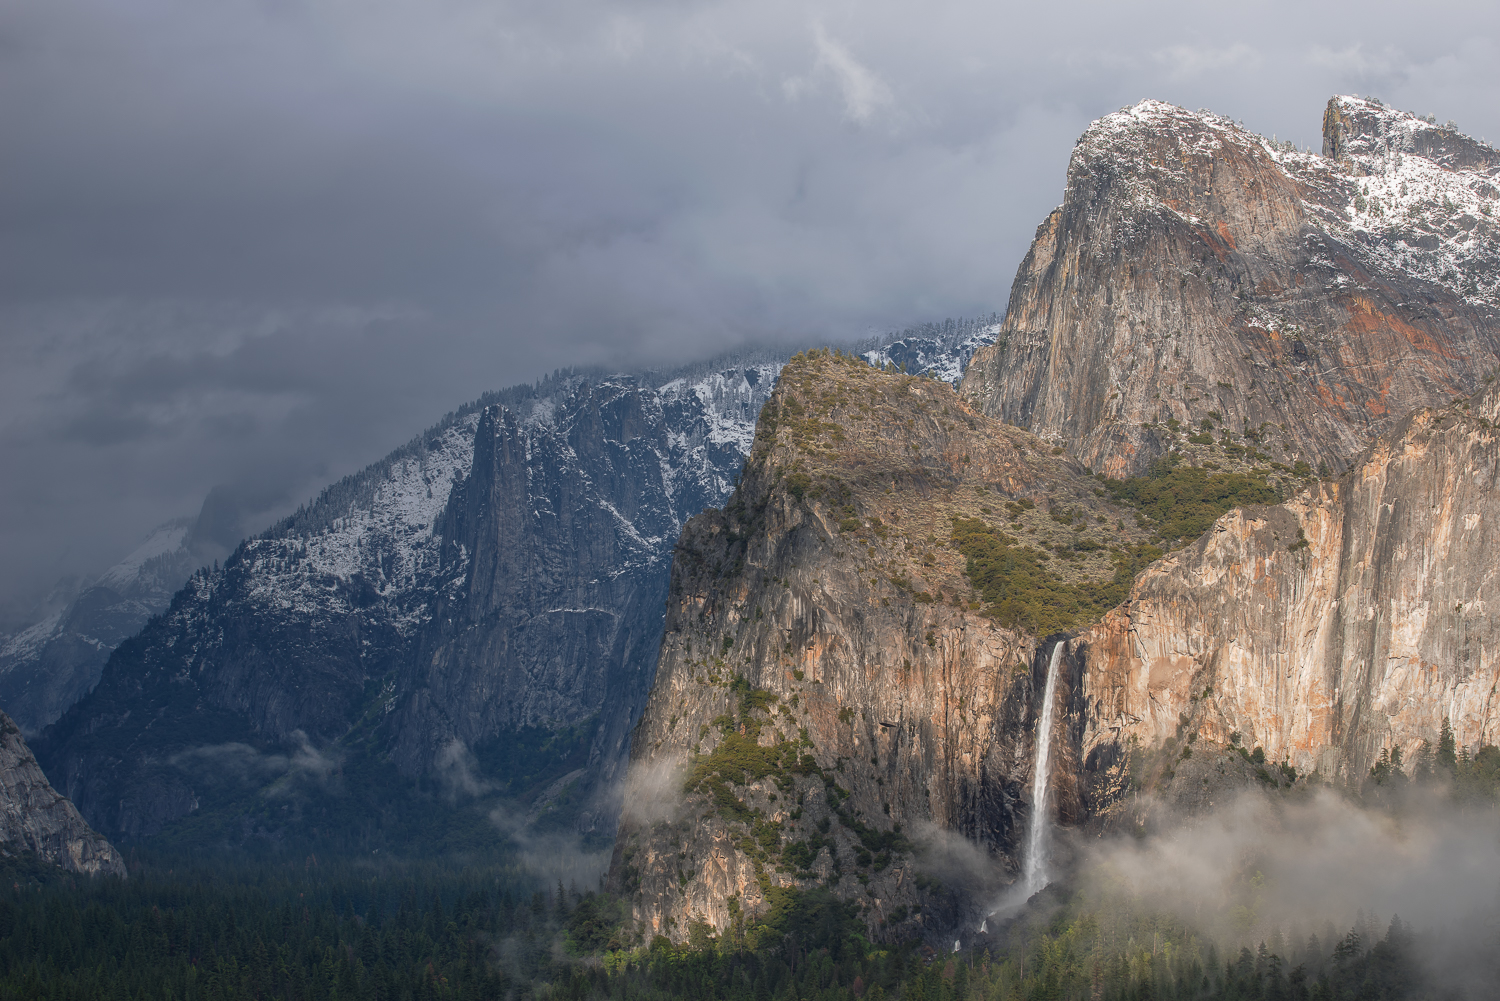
x,y
1036,843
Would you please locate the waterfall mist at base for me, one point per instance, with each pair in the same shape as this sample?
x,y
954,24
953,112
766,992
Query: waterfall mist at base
x,y
1283,875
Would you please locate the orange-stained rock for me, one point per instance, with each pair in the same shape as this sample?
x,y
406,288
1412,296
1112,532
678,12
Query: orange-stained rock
x,y
1367,637
830,576
1196,268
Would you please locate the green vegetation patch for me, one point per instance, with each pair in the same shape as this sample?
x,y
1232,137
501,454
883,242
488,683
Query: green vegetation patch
x,y
740,758
1020,592
1180,503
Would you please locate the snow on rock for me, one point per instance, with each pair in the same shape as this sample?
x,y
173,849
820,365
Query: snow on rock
x,y
1412,197
1420,198
168,539
388,538
944,358
434,579
47,666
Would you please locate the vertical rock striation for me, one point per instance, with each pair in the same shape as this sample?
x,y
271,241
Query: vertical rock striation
x,y
1354,618
828,694
1198,271
34,818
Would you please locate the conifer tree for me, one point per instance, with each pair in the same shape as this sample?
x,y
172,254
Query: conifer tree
x,y
1447,752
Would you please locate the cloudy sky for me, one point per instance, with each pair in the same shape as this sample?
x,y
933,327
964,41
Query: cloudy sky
x,y
255,244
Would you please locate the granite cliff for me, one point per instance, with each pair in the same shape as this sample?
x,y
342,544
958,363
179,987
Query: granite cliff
x,y
473,619
856,644
1350,620
1300,303
839,693
35,819
323,629
829,693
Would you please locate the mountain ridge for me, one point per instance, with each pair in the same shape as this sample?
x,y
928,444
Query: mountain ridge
x,y
334,625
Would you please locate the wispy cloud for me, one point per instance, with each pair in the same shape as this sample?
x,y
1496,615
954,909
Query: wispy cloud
x,y
1183,62
864,93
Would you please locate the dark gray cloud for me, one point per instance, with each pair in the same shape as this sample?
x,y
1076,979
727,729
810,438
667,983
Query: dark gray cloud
x,y
257,244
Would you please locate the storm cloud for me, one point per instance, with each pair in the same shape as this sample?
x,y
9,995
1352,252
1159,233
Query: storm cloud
x,y
255,244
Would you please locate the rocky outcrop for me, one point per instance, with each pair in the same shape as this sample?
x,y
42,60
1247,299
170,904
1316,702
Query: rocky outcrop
x,y
436,597
558,542
494,583
828,692
828,686
1301,303
1354,618
828,689
1363,132
34,818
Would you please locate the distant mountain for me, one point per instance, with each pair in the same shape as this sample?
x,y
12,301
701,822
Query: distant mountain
x,y
47,667
475,617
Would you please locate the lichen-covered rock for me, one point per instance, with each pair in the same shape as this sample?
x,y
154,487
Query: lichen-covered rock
x,y
35,818
1302,303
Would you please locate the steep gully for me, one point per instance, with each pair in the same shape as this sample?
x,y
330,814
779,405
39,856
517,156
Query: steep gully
x,y
825,614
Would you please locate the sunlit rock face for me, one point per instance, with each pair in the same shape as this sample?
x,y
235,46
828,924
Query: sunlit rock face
x,y
1354,618
1349,620
1336,310
821,628
1195,270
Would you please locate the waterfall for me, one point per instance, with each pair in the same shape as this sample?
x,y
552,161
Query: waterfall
x,y
1036,842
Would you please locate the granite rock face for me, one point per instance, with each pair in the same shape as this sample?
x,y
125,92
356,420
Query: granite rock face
x,y
827,684
827,689
825,674
1196,271
555,552
1354,618
440,594
498,579
34,818
822,659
